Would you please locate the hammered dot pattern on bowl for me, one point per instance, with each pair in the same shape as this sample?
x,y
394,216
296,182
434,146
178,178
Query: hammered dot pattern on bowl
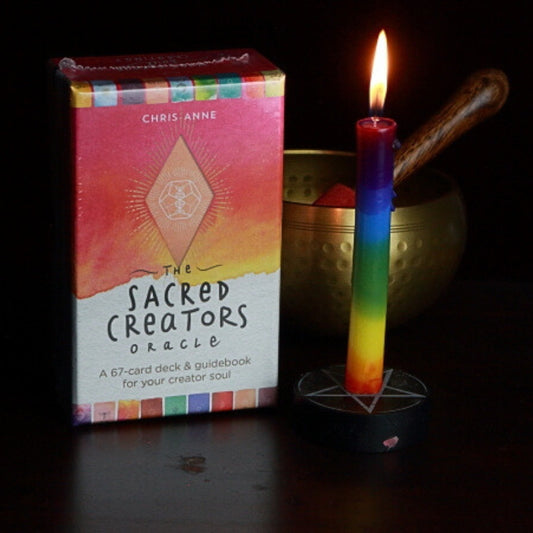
x,y
428,230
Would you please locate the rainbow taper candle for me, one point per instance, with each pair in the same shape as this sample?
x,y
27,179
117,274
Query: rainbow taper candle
x,y
375,165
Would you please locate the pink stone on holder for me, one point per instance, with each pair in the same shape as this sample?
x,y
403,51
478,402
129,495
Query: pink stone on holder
x,y
391,443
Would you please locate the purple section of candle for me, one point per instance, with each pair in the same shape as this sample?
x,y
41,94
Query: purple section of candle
x,y
375,156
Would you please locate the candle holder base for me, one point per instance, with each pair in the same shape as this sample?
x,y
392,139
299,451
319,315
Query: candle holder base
x,y
394,418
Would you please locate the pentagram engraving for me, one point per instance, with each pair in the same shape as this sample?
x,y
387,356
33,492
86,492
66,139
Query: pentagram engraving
x,y
326,388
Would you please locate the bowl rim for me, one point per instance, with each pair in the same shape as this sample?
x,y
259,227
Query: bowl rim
x,y
454,188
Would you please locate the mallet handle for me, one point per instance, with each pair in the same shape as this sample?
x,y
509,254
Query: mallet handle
x,y
481,96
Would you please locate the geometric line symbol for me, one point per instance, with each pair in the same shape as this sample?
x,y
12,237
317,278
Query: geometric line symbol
x,y
179,199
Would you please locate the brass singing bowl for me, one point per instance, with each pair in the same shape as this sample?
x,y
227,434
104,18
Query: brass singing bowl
x,y
428,233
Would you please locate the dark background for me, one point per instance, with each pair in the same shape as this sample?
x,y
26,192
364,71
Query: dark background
x,y
325,49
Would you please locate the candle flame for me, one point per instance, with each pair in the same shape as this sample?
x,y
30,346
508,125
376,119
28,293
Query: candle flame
x,y
378,80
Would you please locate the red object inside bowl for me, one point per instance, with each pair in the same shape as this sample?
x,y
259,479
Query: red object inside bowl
x,y
338,195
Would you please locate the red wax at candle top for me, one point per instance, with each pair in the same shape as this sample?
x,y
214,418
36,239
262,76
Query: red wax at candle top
x,y
375,155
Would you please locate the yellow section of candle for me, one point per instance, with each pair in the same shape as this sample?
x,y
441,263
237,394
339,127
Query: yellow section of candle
x,y
366,344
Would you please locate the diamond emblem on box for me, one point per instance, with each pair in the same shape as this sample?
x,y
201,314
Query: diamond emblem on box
x,y
179,199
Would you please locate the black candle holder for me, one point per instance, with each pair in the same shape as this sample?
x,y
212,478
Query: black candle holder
x,y
394,418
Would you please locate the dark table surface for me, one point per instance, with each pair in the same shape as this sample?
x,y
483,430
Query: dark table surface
x,y
249,471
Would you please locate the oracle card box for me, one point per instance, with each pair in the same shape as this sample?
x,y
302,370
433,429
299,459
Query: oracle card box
x,y
173,231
